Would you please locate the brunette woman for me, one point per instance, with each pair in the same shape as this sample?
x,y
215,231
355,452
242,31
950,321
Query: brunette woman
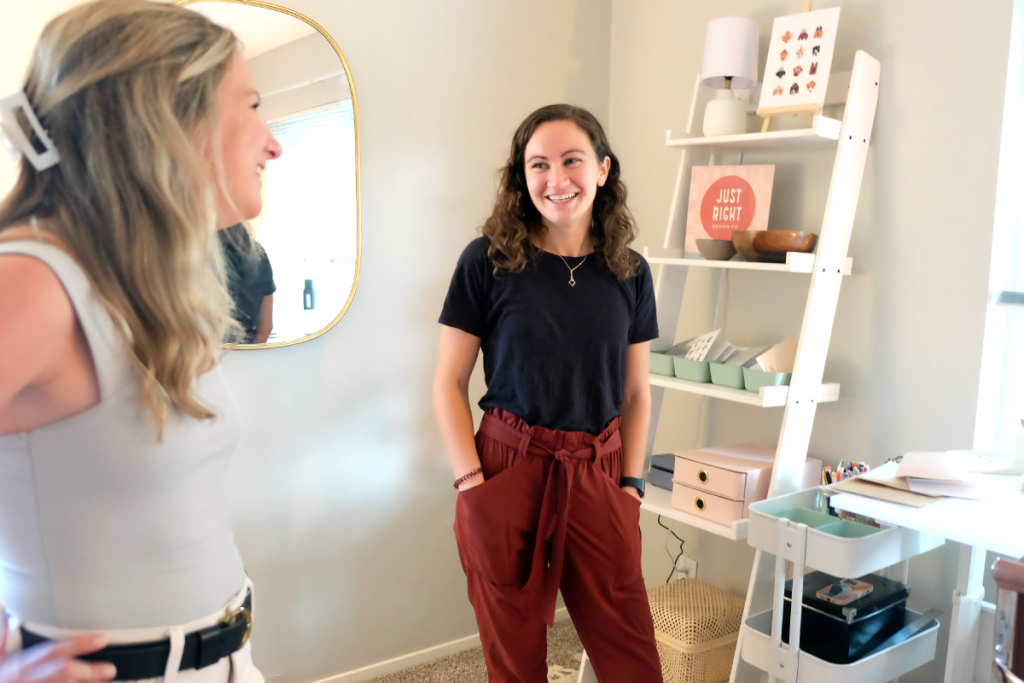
x,y
549,488
139,136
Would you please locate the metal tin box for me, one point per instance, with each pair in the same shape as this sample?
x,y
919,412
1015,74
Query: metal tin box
x,y
844,634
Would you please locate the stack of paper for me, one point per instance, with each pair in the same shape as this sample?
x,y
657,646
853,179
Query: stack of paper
x,y
708,347
940,474
779,358
922,478
883,484
994,463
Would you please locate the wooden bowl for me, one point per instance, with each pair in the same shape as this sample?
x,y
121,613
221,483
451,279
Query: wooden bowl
x,y
716,250
744,243
781,241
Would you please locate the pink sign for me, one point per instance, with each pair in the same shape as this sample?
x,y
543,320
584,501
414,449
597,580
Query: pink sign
x,y
728,205
726,199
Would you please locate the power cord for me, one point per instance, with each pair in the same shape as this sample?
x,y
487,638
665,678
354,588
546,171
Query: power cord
x,y
675,561
723,298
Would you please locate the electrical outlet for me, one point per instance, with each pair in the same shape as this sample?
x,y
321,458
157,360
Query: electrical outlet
x,y
686,568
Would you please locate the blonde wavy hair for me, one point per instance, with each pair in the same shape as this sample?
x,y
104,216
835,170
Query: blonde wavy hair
x,y
127,90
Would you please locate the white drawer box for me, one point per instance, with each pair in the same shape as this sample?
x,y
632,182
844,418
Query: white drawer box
x,y
707,505
736,473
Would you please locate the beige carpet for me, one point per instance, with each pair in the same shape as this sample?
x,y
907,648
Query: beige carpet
x,y
564,652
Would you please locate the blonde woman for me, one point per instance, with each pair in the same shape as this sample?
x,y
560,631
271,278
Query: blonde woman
x,y
140,137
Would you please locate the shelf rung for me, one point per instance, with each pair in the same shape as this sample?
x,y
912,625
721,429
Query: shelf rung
x,y
824,135
768,397
795,262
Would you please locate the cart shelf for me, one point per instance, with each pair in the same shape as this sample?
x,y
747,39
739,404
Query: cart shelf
x,y
843,557
878,668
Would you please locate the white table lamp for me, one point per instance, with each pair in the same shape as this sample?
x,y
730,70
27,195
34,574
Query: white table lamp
x,y
730,63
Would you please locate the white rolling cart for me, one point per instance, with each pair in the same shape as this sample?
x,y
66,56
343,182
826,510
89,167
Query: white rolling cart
x,y
850,138
803,547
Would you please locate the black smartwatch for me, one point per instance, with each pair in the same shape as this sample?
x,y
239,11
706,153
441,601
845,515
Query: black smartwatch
x,y
636,482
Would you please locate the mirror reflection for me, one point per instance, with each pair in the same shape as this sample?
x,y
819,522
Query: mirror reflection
x,y
293,270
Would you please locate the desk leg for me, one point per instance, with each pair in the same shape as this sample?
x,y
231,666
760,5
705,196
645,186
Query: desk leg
x,y
963,627
899,572
587,674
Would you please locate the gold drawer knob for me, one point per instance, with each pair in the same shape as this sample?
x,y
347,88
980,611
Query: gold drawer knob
x,y
699,504
702,476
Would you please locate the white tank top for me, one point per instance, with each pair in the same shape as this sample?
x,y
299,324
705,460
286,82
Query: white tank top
x,y
101,526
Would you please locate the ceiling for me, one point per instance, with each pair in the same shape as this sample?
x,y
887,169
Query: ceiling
x,y
260,30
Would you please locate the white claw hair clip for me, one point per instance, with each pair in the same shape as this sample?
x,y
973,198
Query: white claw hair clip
x,y
13,136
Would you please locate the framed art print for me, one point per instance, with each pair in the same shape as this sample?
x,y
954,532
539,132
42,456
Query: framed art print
x,y
799,61
726,199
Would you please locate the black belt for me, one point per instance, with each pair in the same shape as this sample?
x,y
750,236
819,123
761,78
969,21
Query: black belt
x,y
135,661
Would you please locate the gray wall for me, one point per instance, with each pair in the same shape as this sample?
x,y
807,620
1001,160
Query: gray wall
x,y
341,488
906,346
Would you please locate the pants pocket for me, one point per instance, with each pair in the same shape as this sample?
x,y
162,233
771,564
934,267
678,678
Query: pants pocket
x,y
482,527
624,533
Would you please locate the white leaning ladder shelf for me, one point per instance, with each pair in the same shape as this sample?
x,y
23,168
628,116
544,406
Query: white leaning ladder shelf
x,y
815,336
830,264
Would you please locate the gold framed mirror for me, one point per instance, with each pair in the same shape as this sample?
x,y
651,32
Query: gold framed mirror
x,y
305,248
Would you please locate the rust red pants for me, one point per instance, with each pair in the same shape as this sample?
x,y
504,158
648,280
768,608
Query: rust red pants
x,y
551,515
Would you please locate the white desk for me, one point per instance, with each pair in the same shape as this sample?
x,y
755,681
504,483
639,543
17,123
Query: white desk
x,y
995,525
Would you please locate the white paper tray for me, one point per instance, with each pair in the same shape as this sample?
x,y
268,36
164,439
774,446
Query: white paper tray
x,y
843,557
878,668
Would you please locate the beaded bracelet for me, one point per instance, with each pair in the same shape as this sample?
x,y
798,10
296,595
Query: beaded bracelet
x,y
467,477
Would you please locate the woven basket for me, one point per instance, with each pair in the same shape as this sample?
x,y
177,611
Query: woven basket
x,y
696,626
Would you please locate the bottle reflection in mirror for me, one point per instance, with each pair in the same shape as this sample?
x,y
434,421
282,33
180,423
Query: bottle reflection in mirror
x,y
308,297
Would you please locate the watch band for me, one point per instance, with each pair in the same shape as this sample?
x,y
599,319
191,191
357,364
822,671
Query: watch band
x,y
636,482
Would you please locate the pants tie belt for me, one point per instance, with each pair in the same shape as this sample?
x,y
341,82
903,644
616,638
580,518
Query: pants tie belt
x,y
546,573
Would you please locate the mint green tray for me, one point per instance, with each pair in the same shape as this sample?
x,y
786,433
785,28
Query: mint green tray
x,y
847,529
692,370
727,375
754,379
811,518
661,364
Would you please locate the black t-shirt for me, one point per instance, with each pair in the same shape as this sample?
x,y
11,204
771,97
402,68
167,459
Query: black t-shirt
x,y
250,275
554,354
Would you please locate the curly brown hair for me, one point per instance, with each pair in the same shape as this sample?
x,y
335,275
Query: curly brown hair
x,y
515,218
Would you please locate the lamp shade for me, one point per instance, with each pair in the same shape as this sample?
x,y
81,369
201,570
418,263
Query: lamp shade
x,y
730,51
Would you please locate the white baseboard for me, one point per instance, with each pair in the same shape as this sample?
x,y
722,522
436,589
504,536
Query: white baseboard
x,y
414,658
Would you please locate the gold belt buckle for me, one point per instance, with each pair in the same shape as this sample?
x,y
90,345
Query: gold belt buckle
x,y
231,618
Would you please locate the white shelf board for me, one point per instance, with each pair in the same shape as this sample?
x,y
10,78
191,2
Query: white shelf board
x,y
823,135
768,397
795,262
659,501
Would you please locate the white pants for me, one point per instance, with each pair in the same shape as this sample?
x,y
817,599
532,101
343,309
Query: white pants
x,y
236,668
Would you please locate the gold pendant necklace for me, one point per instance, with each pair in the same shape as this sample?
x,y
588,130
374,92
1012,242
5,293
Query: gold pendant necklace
x,y
572,277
